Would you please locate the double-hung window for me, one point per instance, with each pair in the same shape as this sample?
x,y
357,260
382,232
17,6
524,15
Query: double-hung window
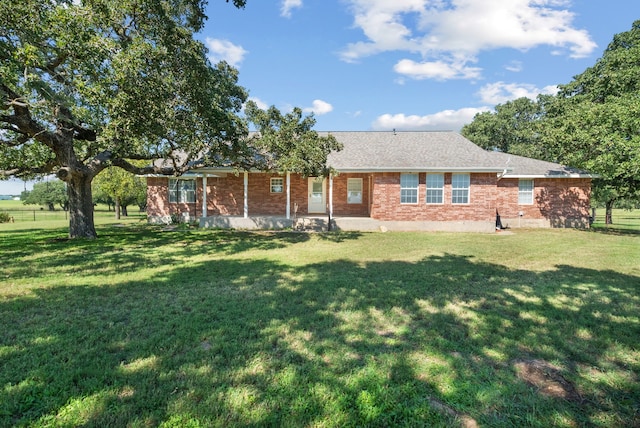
x,y
460,188
525,192
354,190
182,190
277,185
408,188
435,188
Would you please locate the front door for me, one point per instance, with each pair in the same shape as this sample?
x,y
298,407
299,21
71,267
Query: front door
x,y
317,195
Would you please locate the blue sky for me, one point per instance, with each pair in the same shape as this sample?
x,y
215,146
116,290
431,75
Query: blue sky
x,y
362,65
409,64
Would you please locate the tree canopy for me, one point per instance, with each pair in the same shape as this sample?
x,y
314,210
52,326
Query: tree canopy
x,y
49,193
120,188
287,142
90,84
592,123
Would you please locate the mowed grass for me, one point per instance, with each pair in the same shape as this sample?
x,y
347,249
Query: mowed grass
x,y
187,327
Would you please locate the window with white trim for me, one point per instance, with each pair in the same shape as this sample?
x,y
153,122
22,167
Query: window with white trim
x,y
277,185
525,192
435,188
408,188
354,190
460,188
182,190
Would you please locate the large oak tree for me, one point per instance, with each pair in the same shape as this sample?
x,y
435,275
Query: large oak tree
x,y
88,84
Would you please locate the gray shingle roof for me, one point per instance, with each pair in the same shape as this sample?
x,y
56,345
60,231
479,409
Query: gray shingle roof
x,y
519,166
432,151
409,151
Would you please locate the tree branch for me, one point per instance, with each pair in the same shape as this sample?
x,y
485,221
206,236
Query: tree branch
x,y
149,169
28,171
22,119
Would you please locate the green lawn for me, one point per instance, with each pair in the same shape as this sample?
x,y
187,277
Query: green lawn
x,y
187,327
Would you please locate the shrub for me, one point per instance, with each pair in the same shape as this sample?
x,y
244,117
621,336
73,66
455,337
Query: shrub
x,y
5,217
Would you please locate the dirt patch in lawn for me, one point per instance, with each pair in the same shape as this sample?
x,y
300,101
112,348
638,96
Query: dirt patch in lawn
x,y
547,379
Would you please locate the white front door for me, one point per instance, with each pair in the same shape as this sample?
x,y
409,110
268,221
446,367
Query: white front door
x,y
317,195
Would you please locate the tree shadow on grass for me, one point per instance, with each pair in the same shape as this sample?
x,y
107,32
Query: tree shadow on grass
x,y
261,343
114,248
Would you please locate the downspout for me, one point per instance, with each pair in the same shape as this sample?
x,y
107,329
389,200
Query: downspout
x,y
330,226
288,213
246,194
204,195
331,195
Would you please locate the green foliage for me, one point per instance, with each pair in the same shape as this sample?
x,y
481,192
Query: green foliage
x,y
287,142
593,123
511,128
118,184
84,86
5,217
48,193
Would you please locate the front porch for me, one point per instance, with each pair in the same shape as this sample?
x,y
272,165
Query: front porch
x,y
321,223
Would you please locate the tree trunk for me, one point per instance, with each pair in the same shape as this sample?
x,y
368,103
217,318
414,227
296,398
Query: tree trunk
x,y
608,219
81,223
125,213
117,208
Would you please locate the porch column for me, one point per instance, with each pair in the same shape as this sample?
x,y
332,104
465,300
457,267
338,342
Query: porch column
x,y
288,195
330,195
204,194
246,194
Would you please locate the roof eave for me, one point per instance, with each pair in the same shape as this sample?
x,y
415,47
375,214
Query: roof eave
x,y
562,175
420,169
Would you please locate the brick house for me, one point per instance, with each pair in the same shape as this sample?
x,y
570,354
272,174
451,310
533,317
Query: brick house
x,y
388,180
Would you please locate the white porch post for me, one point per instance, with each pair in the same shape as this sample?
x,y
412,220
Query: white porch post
x,y
204,194
246,194
288,195
330,195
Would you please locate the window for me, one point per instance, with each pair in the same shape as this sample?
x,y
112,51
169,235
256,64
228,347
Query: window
x,y
435,188
525,192
354,190
182,190
277,185
408,188
460,189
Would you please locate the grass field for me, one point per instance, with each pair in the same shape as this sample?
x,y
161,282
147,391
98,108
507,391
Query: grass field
x,y
188,327
37,217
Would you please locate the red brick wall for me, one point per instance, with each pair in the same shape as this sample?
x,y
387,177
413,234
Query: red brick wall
x,y
562,201
226,195
158,199
386,200
341,207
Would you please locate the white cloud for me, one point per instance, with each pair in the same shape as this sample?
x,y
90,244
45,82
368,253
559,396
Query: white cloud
x,y
444,120
439,70
319,108
500,92
288,5
261,104
224,50
514,66
449,34
381,22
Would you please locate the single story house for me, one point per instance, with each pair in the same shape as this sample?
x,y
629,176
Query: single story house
x,y
384,181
